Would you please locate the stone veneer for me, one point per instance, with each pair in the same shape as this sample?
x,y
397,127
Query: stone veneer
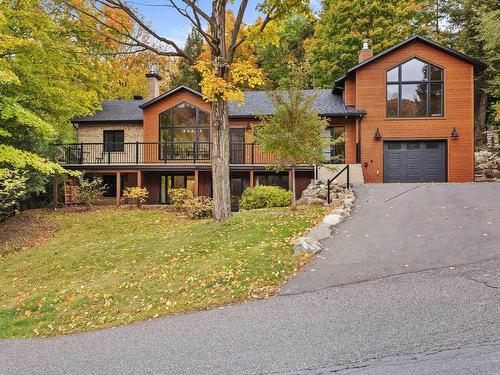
x,y
93,133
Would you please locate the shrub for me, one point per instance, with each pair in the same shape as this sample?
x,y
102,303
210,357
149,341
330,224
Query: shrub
x,y
135,195
199,207
179,197
90,190
265,196
12,191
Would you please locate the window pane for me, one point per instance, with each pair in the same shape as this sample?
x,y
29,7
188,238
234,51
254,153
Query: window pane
x,y
165,119
165,135
204,120
414,70
436,107
179,182
184,114
184,135
204,135
190,183
272,180
413,146
392,75
394,146
413,100
113,140
392,100
436,73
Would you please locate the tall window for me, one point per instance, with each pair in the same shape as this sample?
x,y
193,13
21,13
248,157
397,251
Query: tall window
x,y
184,123
415,89
113,140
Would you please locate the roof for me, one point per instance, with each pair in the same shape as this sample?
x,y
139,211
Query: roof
x,y
459,55
256,103
115,111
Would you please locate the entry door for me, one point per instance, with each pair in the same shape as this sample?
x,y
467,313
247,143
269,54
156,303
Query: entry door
x,y
415,161
237,141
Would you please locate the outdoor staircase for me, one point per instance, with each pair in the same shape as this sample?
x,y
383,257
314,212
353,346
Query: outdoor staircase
x,y
326,172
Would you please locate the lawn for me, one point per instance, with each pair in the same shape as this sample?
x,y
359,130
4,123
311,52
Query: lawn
x,y
110,266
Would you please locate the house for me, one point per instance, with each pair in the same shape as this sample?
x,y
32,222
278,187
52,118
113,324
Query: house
x,y
406,115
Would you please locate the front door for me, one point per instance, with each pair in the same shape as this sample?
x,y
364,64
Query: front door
x,y
237,148
337,149
169,182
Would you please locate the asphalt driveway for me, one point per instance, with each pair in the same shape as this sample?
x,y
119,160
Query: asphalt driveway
x,y
410,284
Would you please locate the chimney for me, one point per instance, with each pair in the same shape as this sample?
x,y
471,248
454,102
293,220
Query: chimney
x,y
366,52
153,83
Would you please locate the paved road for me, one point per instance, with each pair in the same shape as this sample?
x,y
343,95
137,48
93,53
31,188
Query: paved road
x,y
419,295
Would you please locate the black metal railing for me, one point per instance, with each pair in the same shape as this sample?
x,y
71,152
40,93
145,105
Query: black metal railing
x,y
329,182
155,153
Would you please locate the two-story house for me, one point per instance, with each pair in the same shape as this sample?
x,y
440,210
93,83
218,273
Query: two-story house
x,y
405,114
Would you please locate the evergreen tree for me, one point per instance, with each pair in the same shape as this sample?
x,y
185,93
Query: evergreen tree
x,y
186,75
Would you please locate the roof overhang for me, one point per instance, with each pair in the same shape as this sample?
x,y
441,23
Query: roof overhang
x,y
100,122
168,93
478,65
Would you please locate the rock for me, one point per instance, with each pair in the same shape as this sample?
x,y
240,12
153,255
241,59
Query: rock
x,y
316,201
306,245
339,211
320,232
332,219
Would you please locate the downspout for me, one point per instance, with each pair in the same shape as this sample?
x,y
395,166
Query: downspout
x,y
358,151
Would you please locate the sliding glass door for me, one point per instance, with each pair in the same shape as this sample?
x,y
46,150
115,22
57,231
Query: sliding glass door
x,y
173,181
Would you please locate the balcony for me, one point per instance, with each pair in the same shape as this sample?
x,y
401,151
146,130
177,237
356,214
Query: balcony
x,y
93,154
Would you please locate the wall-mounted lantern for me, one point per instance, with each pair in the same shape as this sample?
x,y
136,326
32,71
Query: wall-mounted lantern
x,y
454,133
377,134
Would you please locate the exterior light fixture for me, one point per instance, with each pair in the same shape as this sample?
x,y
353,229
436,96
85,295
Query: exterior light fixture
x,y
454,133
377,134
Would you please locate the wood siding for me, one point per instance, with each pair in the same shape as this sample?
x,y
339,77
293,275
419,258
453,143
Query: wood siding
x,y
370,95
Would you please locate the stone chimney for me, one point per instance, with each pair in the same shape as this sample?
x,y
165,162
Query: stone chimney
x,y
153,83
366,52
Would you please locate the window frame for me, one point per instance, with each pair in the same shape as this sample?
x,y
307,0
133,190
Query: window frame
x,y
115,146
428,82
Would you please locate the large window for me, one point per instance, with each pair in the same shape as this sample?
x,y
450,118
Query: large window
x,y
113,140
415,89
185,124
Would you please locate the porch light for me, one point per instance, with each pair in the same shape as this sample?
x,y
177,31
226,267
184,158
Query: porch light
x,y
377,134
454,133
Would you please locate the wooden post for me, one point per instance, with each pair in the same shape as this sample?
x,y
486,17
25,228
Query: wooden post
x,y
139,178
290,181
196,182
251,178
118,189
55,192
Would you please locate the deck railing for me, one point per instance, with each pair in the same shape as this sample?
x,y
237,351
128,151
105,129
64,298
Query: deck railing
x,y
155,153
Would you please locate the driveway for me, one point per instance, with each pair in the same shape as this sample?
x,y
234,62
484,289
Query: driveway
x,y
410,284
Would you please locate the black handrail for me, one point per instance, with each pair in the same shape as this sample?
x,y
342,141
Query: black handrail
x,y
346,168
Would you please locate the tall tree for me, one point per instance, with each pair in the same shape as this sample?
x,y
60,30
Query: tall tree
x,y
222,77
284,42
343,24
294,133
472,27
48,74
186,74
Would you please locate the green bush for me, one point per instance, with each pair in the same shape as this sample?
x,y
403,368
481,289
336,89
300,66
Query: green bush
x,y
179,197
199,207
265,196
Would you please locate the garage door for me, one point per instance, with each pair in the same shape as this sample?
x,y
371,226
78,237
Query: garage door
x,y
414,161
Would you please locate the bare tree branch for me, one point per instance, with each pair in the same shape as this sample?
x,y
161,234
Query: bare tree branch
x,y
236,30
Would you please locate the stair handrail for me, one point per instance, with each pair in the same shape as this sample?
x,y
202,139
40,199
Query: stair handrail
x,y
328,183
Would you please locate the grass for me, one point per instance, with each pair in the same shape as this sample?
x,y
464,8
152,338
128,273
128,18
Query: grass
x,y
110,267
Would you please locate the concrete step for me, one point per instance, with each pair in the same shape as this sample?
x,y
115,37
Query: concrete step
x,y
327,172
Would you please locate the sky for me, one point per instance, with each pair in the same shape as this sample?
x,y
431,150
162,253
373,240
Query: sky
x,y
167,22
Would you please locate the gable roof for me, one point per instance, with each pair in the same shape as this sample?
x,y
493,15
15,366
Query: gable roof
x,y
256,103
168,93
459,55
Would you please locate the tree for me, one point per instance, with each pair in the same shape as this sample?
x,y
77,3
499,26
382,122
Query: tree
x,y
293,134
282,43
186,74
222,77
343,24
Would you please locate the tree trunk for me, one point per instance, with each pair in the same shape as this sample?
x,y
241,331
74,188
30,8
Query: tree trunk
x,y
219,123
482,109
220,161
294,203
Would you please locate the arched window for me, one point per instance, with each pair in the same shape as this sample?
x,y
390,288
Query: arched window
x,y
184,123
415,89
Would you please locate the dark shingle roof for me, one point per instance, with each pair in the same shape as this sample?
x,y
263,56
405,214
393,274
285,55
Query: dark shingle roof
x,y
256,103
116,111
